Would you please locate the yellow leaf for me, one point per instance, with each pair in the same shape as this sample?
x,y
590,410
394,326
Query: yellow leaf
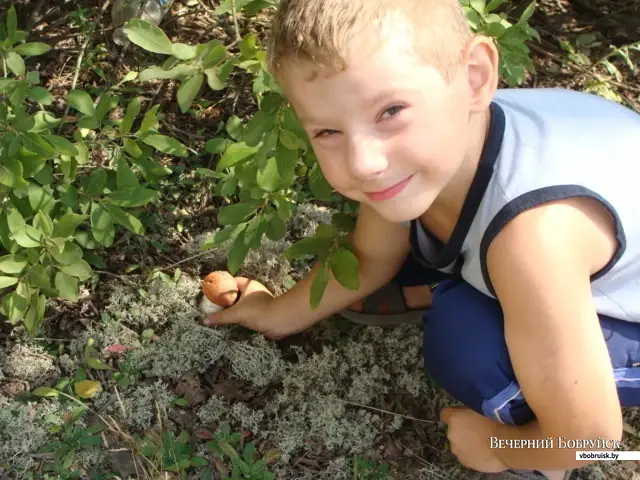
x,y
87,388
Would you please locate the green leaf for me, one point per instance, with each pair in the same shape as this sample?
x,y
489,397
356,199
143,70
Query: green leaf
x,y
32,49
102,226
96,182
255,230
62,145
276,229
40,95
217,145
188,91
28,236
12,24
129,117
7,281
319,285
90,123
81,270
42,221
344,266
308,246
150,120
125,177
66,225
148,36
287,161
493,4
125,219
318,184
219,237
67,286
237,254
14,306
237,213
166,145
39,197
133,197
46,392
183,51
213,78
478,5
236,153
104,106
291,140
39,278
37,144
132,147
15,221
270,177
159,73
15,63
13,264
528,12
70,255
256,127
81,101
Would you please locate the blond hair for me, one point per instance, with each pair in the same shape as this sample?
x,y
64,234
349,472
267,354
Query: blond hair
x,y
321,31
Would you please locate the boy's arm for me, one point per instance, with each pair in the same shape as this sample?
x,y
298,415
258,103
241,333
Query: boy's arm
x,y
540,267
381,248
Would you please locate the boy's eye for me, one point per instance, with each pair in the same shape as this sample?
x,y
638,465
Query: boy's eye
x,y
391,111
324,133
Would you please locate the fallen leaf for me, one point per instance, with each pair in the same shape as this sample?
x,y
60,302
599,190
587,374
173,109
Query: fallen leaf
x,y
87,388
117,348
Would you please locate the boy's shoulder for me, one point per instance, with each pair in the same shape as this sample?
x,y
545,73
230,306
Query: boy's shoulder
x,y
560,106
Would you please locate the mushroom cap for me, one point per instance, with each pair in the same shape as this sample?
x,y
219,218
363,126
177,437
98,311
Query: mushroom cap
x,y
220,288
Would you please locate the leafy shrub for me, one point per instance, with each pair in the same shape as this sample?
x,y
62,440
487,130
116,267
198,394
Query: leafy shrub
x,y
66,184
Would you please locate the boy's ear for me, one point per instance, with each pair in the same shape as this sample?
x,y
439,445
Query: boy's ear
x,y
482,62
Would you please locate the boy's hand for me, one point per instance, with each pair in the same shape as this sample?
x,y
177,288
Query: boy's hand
x,y
469,435
251,310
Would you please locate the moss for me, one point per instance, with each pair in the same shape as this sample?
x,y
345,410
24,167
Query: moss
x,y
139,407
164,303
257,361
24,428
31,363
186,346
109,332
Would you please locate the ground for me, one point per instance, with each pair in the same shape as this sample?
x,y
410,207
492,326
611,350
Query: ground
x,y
337,401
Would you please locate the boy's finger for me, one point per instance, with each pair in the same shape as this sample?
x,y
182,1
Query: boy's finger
x,y
224,317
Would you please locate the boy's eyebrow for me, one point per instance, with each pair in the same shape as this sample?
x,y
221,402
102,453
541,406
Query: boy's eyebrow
x,y
373,100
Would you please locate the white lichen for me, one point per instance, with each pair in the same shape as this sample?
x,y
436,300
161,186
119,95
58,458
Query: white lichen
x,y
257,361
162,303
30,363
186,346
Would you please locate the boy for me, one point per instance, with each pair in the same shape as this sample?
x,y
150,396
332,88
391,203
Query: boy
x,y
534,232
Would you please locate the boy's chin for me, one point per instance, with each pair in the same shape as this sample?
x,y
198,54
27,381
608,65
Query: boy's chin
x,y
400,212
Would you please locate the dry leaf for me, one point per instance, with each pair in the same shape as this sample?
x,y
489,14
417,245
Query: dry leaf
x,y
87,388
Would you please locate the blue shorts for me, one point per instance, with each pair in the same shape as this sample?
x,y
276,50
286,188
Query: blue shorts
x,y
466,354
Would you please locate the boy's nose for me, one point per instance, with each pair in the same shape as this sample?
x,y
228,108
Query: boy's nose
x,y
366,158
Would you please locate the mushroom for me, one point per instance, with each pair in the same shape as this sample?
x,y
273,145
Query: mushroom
x,y
220,291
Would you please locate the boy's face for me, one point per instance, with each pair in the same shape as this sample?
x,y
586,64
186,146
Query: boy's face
x,y
388,131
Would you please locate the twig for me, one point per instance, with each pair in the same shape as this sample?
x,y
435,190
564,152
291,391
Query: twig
x,y
390,413
83,49
124,411
201,254
578,68
235,21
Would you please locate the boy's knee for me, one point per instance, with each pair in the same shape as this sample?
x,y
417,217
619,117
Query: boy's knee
x,y
465,353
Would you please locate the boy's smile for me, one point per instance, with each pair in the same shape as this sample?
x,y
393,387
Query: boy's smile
x,y
388,131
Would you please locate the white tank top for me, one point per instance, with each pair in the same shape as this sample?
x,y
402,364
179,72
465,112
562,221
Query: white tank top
x,y
544,145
